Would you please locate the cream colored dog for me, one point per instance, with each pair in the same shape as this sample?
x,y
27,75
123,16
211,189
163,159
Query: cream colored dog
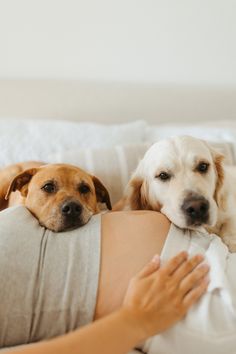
x,y
185,179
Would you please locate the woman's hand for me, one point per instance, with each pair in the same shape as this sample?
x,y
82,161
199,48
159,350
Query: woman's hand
x,y
158,297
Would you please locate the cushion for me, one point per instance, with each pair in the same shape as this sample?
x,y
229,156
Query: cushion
x,y
22,140
215,131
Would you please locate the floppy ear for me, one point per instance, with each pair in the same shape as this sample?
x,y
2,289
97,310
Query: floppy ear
x,y
101,192
20,182
137,194
218,162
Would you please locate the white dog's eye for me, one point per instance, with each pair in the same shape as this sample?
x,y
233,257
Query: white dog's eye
x,y
202,167
164,176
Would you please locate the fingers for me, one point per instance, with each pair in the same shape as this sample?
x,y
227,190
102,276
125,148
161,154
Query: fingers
x,y
174,263
191,280
150,267
187,267
193,295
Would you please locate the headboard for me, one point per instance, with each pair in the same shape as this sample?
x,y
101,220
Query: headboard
x,y
114,102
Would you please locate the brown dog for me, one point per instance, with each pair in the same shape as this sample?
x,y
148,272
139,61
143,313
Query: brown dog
x,y
60,196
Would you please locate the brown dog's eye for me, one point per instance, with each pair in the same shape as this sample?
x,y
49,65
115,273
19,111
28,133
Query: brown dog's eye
x,y
164,176
202,167
49,188
84,188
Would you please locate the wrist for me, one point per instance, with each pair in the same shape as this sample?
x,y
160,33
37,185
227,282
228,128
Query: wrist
x,y
134,324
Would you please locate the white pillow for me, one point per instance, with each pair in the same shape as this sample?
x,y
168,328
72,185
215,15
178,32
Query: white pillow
x,y
22,140
212,131
113,166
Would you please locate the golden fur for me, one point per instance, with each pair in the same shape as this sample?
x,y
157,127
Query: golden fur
x,y
60,196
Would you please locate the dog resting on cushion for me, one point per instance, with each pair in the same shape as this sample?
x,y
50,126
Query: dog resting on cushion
x,y
185,179
60,196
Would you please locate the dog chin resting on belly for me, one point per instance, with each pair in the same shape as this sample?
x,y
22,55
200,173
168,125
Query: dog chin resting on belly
x,y
185,179
60,196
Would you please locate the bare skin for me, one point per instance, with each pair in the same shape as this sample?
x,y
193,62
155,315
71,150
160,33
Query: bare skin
x,y
157,297
129,241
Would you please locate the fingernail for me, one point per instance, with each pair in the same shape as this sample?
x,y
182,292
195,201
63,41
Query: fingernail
x,y
204,266
184,254
156,258
199,257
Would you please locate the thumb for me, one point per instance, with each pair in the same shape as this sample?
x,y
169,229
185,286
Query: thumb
x,y
151,267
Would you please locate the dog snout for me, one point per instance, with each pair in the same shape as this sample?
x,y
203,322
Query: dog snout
x,y
196,210
71,209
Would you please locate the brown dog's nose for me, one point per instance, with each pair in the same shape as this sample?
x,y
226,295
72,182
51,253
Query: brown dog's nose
x,y
196,210
71,209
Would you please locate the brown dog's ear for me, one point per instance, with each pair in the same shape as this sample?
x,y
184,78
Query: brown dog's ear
x,y
101,192
137,195
20,182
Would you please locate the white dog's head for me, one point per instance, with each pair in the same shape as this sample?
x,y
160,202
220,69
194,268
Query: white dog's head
x,y
181,177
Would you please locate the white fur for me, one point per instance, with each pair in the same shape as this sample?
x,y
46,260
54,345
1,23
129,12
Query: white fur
x,y
179,156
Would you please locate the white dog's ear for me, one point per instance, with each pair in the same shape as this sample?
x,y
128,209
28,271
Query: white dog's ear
x,y
137,197
218,162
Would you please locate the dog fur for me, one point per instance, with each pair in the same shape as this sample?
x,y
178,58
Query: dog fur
x,y
170,179
60,196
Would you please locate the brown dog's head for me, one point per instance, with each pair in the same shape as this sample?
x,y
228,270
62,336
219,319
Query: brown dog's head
x,y
60,196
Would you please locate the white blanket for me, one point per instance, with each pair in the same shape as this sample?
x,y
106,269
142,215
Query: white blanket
x,y
210,326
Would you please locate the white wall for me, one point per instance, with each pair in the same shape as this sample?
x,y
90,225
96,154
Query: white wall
x,y
190,42
118,60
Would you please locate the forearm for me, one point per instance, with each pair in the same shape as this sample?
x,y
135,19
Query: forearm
x,y
117,334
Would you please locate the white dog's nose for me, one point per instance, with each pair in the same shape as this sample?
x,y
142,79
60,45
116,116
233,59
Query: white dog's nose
x,y
196,210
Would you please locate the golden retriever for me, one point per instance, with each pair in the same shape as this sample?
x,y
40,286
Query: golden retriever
x,y
185,179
